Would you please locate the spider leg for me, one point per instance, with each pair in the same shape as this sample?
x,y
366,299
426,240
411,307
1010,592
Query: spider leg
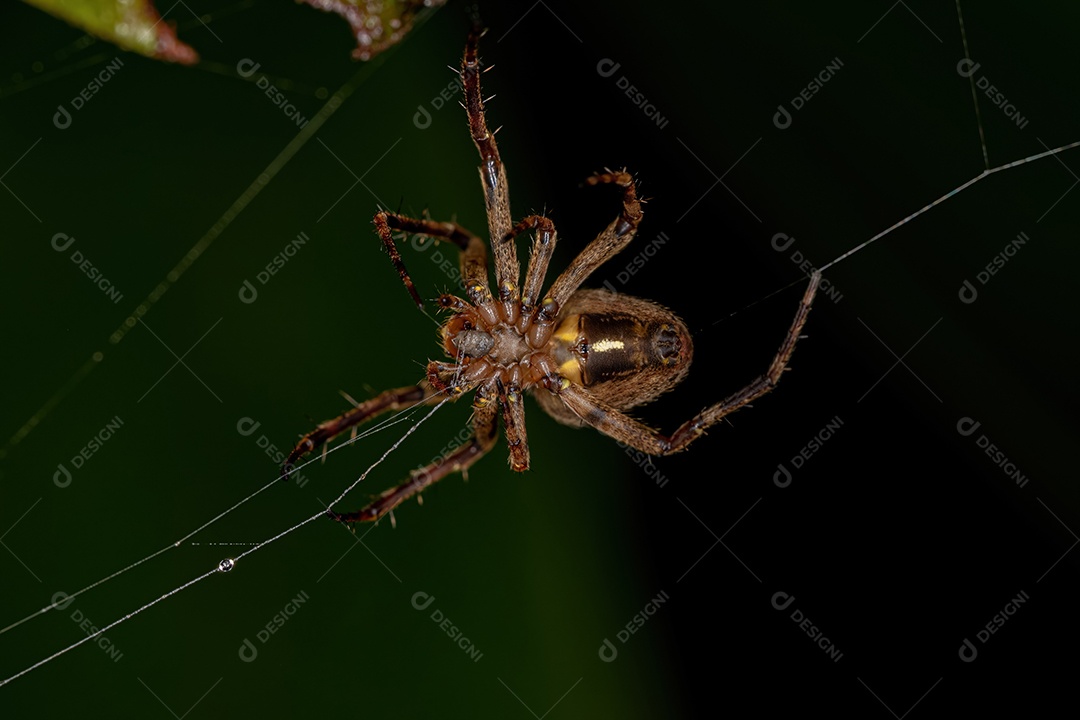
x,y
326,431
485,432
540,256
609,242
513,411
473,253
626,429
492,175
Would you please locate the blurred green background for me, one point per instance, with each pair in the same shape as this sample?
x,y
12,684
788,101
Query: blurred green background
x,y
899,538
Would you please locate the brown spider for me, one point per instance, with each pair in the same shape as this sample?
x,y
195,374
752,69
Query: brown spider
x,y
586,355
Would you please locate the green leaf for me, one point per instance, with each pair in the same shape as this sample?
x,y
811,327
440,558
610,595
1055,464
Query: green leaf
x,y
376,24
131,24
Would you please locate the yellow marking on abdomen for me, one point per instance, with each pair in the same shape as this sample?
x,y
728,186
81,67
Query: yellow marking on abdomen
x,y
568,329
605,345
571,369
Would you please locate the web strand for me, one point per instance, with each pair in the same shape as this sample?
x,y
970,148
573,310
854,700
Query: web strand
x,y
955,191
952,193
225,566
974,92
400,416
110,626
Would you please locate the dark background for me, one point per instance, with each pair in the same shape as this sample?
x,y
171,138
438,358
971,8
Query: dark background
x,y
899,538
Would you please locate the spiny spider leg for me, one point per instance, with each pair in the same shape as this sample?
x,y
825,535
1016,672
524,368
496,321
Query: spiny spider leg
x,y
513,410
473,252
629,431
485,433
474,272
386,401
492,176
609,242
542,249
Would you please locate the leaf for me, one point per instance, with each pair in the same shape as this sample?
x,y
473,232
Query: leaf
x,y
131,24
376,24
136,25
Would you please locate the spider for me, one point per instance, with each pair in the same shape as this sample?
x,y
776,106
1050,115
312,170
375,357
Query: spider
x,y
586,356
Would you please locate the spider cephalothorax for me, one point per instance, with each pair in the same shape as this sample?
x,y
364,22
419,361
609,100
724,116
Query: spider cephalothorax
x,y
587,356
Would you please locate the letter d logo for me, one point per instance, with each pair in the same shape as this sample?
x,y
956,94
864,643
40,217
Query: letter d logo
x,y
62,118
61,478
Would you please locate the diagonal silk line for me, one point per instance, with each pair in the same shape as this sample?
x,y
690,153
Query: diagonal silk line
x,y
955,191
188,259
223,566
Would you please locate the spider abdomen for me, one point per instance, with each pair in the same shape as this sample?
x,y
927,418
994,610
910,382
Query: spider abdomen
x,y
616,346
625,350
